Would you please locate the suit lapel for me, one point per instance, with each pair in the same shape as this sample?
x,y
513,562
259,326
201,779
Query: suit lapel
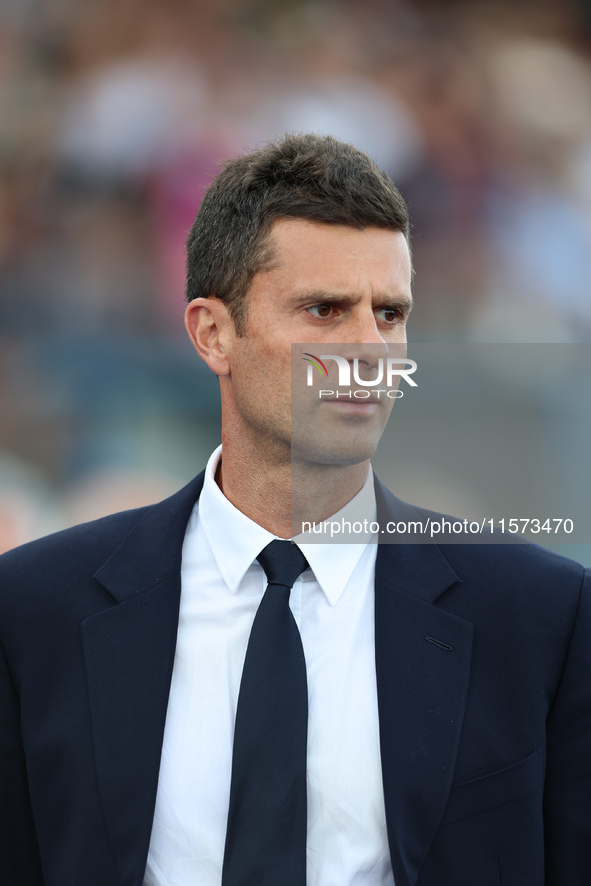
x,y
422,685
129,655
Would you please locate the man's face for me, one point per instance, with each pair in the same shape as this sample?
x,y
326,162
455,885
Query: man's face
x,y
329,285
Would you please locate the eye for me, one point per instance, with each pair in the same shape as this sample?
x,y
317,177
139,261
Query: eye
x,y
322,311
389,315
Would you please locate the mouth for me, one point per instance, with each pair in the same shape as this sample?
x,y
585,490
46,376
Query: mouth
x,y
365,408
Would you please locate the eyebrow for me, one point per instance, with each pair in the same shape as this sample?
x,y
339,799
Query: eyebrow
x,y
321,297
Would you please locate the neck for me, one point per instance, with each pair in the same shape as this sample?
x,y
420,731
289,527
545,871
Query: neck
x,y
280,494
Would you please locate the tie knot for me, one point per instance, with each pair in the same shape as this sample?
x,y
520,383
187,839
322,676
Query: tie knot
x,y
283,562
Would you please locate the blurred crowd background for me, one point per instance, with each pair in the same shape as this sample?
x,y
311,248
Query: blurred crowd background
x,y
115,115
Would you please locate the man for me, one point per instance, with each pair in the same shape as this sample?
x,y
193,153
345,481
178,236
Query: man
x,y
446,708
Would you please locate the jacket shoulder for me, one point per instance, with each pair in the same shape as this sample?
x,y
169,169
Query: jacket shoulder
x,y
509,577
82,543
71,557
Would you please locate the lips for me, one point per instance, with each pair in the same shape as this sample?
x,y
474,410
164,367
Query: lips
x,y
354,400
365,407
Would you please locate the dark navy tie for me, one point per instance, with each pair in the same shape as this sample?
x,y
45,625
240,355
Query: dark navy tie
x,y
266,835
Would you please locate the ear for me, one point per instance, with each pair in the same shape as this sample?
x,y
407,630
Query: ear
x,y
208,322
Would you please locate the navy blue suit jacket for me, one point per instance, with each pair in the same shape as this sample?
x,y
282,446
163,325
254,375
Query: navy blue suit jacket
x,y
483,660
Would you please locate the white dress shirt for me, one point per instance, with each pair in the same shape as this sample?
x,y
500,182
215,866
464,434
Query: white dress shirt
x,y
333,605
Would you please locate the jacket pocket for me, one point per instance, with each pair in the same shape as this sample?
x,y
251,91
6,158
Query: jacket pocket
x,y
495,789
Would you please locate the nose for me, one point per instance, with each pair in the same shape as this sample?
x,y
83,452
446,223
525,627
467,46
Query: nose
x,y
362,339
364,328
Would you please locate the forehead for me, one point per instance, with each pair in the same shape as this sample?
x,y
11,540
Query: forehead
x,y
339,256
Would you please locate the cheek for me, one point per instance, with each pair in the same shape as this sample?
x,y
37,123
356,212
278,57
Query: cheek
x,y
272,363
257,382
261,368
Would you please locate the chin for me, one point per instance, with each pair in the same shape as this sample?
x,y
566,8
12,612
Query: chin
x,y
332,455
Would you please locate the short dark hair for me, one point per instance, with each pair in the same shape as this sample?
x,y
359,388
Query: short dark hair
x,y
305,176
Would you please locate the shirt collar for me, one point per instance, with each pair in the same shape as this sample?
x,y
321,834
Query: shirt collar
x,y
334,561
241,541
